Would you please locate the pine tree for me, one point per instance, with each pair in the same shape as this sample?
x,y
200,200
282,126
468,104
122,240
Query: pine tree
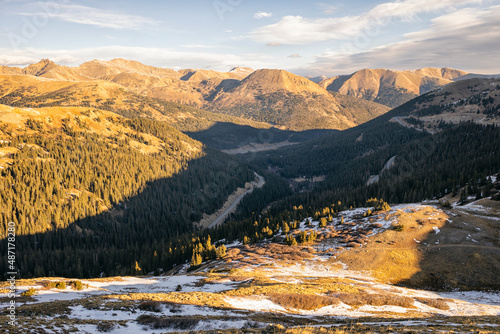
x,y
196,259
221,251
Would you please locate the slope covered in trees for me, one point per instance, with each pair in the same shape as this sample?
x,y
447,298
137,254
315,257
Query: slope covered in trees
x,y
86,202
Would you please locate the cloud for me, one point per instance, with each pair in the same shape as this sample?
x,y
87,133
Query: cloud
x,y
301,30
160,57
89,16
326,8
465,39
197,46
295,55
262,15
273,44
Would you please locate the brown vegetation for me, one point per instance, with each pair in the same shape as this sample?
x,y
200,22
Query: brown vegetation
x,y
301,301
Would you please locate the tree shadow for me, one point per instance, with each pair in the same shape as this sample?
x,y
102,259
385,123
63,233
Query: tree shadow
x,y
224,136
463,254
153,227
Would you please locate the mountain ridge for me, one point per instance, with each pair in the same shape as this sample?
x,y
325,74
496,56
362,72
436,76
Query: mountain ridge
x,y
389,87
278,97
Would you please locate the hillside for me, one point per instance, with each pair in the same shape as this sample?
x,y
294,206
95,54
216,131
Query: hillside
x,y
311,287
31,91
401,159
412,133
475,100
391,88
88,171
290,101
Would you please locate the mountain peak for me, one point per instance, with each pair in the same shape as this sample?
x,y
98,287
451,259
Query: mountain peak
x,y
272,80
40,68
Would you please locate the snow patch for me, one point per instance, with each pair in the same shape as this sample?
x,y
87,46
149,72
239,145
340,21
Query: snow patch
x,y
258,304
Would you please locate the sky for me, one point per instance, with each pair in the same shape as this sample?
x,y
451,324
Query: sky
x,y
304,37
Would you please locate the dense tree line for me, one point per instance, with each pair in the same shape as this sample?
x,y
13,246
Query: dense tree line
x,y
84,205
426,166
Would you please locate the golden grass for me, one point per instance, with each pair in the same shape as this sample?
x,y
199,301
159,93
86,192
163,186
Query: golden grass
x,y
394,256
301,301
189,298
374,299
266,286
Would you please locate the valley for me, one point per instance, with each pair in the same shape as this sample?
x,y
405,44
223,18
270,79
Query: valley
x,y
148,199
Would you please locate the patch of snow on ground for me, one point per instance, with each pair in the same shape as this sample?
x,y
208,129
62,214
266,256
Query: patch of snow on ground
x,y
383,308
340,310
80,312
483,297
254,304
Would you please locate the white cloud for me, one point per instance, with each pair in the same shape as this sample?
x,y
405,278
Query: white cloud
x,y
160,57
273,44
197,46
89,16
300,30
295,55
464,39
326,8
262,15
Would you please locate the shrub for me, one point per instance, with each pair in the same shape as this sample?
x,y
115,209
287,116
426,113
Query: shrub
x,y
312,236
436,303
105,327
30,292
385,207
178,288
50,285
77,285
150,305
301,301
399,228
302,237
155,322
61,285
290,240
174,308
323,221
378,204
446,205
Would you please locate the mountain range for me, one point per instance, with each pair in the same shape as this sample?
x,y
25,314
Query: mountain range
x,y
296,103
276,98
391,88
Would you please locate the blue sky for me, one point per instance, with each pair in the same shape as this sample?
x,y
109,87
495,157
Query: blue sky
x,y
305,37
